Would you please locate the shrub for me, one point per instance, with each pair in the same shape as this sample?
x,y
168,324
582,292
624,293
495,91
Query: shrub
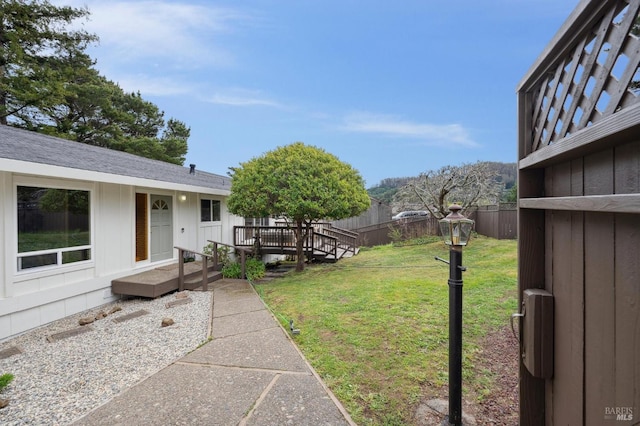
x,y
255,269
223,253
232,270
5,379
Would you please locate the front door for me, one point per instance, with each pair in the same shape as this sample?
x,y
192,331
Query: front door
x,y
161,228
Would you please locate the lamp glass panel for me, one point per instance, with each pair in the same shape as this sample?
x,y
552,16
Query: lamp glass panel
x,y
445,230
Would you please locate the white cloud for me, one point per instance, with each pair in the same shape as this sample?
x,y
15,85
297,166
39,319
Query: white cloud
x,y
162,33
432,134
242,98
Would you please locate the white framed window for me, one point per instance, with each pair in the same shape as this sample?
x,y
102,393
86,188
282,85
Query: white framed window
x,y
54,226
209,210
256,221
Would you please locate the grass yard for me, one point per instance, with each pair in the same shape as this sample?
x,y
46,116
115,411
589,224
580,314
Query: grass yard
x,y
375,326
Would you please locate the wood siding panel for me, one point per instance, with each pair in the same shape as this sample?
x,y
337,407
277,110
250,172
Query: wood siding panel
x,y
600,368
531,247
566,389
627,163
627,283
598,173
627,314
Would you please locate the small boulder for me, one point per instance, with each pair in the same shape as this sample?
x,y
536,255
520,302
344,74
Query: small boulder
x,y
86,320
3,403
115,309
100,315
166,322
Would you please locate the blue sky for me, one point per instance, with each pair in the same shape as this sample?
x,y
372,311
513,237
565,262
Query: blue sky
x,y
392,88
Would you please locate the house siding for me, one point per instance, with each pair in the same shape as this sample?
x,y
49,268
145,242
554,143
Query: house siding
x,y
29,299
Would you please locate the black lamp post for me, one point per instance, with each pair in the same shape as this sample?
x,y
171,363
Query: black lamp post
x,y
456,231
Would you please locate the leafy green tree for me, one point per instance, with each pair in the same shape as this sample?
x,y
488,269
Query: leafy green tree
x,y
300,183
49,84
140,123
33,39
511,195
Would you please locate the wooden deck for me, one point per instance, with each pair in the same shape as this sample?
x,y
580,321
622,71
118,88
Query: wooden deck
x,y
325,243
163,280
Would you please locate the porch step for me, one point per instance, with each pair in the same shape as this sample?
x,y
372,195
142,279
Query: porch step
x,y
194,281
163,280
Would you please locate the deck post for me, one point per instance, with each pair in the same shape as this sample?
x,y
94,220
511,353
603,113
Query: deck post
x,y
215,256
242,262
204,273
180,269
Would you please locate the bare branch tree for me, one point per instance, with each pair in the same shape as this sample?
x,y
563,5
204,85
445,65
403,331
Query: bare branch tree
x,y
467,185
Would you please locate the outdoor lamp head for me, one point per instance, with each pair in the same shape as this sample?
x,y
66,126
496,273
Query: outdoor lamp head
x,y
455,228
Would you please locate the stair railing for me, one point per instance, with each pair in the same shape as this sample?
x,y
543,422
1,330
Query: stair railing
x,y
181,252
243,256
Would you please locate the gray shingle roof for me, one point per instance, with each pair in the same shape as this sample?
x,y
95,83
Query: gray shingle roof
x,y
23,145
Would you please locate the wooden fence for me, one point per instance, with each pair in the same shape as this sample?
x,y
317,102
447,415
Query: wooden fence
x,y
498,221
579,220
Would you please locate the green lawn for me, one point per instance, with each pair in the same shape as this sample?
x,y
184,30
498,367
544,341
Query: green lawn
x,y
375,326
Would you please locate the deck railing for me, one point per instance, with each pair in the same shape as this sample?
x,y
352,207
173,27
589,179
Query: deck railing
x,y
181,255
322,239
264,236
205,268
347,240
325,244
243,256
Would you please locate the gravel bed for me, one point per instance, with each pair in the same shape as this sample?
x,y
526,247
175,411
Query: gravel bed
x,y
55,383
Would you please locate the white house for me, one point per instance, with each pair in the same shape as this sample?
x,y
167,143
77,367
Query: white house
x,y
75,216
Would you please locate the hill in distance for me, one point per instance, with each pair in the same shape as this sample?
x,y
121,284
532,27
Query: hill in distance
x,y
387,188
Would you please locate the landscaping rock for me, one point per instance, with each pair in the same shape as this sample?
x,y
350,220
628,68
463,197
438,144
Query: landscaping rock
x,y
114,310
181,295
166,322
3,403
100,315
86,320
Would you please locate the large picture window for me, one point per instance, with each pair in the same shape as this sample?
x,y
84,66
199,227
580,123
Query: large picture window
x,y
209,210
53,227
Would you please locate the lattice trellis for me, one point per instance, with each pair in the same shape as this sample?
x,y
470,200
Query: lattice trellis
x,y
599,77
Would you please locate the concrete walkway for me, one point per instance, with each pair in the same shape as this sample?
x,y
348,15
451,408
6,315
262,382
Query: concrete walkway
x,y
251,373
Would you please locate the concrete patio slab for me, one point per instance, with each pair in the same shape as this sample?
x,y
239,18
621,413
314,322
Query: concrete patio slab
x,y
185,394
242,323
296,400
251,373
267,349
237,306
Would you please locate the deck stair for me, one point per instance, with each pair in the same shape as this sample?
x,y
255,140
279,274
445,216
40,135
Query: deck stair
x,y
165,279
326,242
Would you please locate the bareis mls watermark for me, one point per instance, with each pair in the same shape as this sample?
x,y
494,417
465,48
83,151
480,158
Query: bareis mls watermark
x,y
618,413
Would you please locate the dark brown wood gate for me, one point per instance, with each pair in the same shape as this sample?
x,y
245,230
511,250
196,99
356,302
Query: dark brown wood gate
x,y
579,215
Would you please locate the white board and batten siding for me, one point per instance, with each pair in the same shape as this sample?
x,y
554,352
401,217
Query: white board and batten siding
x,y
38,296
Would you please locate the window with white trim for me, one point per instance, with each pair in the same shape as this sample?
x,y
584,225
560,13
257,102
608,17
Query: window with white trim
x,y
209,210
53,227
256,221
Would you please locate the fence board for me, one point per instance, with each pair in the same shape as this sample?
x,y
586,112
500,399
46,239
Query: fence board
x,y
627,282
531,246
627,314
567,386
600,368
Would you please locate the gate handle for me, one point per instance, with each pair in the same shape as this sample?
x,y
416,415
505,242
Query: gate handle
x,y
512,328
